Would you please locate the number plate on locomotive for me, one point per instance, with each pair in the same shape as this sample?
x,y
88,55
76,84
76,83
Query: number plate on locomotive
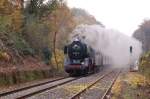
x,y
76,61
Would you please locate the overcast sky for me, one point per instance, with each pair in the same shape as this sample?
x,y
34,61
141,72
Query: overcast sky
x,y
122,15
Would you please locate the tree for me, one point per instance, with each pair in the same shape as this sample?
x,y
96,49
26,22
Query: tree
x,y
39,9
5,7
143,35
145,26
61,23
11,17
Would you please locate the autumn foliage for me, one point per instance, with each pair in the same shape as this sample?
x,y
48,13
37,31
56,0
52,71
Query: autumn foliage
x,y
28,27
145,65
11,18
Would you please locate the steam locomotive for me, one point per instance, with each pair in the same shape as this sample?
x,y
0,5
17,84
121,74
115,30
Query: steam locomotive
x,y
81,58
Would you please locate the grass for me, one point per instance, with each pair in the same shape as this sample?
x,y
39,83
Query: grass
x,y
131,86
145,65
23,76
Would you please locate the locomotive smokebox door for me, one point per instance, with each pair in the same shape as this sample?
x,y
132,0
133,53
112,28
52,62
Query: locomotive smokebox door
x,y
65,50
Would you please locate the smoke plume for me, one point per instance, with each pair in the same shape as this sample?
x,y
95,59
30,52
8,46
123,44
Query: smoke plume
x,y
110,43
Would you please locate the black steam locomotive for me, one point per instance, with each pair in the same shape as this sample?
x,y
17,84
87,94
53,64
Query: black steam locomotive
x,y
79,58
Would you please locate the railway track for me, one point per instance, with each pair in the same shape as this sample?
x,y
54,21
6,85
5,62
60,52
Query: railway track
x,y
98,89
74,89
27,87
21,93
110,87
58,89
32,94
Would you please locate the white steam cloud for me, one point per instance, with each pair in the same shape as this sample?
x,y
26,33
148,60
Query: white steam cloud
x,y
110,43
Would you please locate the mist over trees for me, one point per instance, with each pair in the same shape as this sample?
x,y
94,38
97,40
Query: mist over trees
x,y
83,17
143,35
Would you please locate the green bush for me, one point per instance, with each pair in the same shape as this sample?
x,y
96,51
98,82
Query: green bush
x,y
60,60
22,46
5,23
145,65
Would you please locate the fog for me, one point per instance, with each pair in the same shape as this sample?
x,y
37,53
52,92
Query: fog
x,y
110,43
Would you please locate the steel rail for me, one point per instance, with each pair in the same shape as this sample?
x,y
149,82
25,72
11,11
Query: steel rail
x,y
77,96
48,88
28,87
110,87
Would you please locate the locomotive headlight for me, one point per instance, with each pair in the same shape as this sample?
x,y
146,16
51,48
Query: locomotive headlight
x,y
82,63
